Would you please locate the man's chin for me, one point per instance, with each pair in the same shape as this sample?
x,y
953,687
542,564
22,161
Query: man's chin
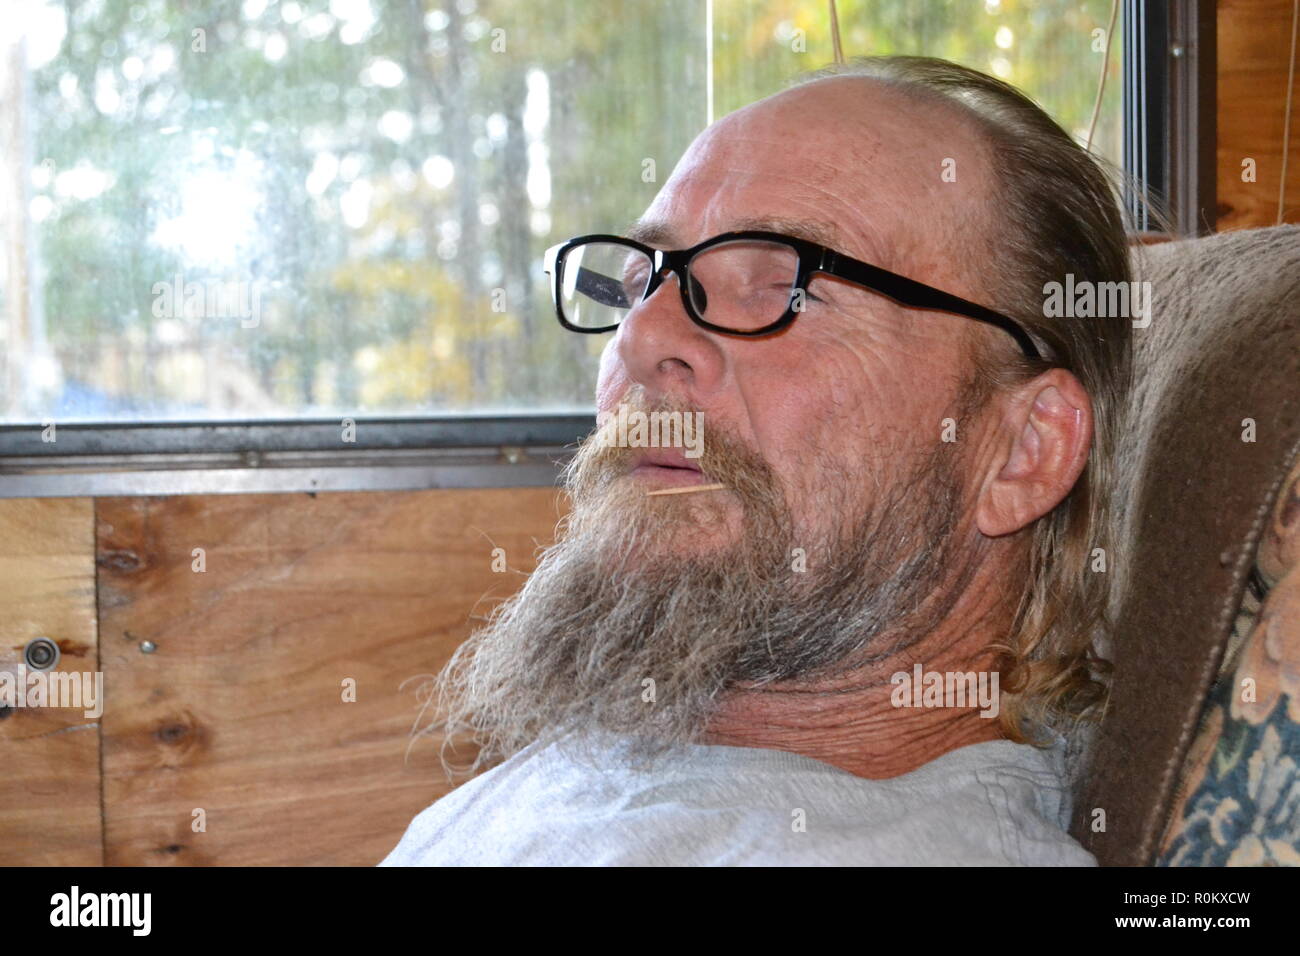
x,y
631,524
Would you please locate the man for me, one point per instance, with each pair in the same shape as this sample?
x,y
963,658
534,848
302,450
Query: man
x,y
863,643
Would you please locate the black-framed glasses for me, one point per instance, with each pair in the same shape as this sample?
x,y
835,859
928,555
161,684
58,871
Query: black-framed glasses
x,y
738,283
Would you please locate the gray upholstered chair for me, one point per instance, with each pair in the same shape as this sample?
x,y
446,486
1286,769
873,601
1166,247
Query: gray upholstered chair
x,y
1195,760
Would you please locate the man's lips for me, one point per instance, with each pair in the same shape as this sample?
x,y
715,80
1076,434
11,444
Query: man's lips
x,y
669,467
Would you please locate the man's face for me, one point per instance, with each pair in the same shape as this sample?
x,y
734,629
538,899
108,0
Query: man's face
x,y
842,532
856,384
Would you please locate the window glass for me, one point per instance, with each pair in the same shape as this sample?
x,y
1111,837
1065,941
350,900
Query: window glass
x,y
316,208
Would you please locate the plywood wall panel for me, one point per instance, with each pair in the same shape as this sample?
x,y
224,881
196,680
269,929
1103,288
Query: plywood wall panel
x,y
49,756
238,709
1254,49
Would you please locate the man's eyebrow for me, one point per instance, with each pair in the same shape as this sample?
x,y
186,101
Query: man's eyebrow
x,y
822,233
651,233
654,233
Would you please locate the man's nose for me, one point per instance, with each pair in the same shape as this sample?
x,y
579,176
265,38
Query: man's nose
x,y
660,346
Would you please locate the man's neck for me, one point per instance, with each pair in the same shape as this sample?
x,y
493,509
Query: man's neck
x,y
866,724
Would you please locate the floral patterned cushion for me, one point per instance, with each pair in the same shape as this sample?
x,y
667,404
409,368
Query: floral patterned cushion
x,y
1239,800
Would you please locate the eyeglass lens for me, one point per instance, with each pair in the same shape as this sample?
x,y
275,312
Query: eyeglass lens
x,y
743,285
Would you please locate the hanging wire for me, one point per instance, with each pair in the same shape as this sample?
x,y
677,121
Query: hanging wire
x,y
835,34
1105,68
1286,122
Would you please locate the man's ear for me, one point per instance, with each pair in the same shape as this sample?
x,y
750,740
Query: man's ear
x,y
1040,451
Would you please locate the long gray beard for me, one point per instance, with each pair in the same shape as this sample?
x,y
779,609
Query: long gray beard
x,y
614,632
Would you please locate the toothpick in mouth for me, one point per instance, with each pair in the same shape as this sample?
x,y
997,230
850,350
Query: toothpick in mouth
x,y
686,490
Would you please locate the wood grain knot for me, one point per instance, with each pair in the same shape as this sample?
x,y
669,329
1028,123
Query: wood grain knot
x,y
123,561
172,733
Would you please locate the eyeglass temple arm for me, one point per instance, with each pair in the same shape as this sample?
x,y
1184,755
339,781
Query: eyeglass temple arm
x,y
910,292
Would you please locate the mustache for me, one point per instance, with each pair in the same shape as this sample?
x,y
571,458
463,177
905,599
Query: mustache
x,y
726,459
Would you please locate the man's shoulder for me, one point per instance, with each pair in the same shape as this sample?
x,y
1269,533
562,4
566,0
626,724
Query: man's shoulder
x,y
989,804
1004,803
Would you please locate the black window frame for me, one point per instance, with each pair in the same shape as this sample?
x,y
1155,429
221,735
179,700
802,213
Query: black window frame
x,y
1170,104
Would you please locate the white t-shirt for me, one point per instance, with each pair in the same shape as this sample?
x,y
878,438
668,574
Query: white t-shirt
x,y
988,804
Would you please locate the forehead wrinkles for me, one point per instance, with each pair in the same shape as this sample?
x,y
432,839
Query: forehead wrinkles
x,y
731,186
869,165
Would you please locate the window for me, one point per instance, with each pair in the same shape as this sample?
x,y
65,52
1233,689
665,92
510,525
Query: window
x,y
311,209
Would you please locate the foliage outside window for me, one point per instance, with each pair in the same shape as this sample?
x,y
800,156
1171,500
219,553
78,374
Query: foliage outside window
x,y
310,208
